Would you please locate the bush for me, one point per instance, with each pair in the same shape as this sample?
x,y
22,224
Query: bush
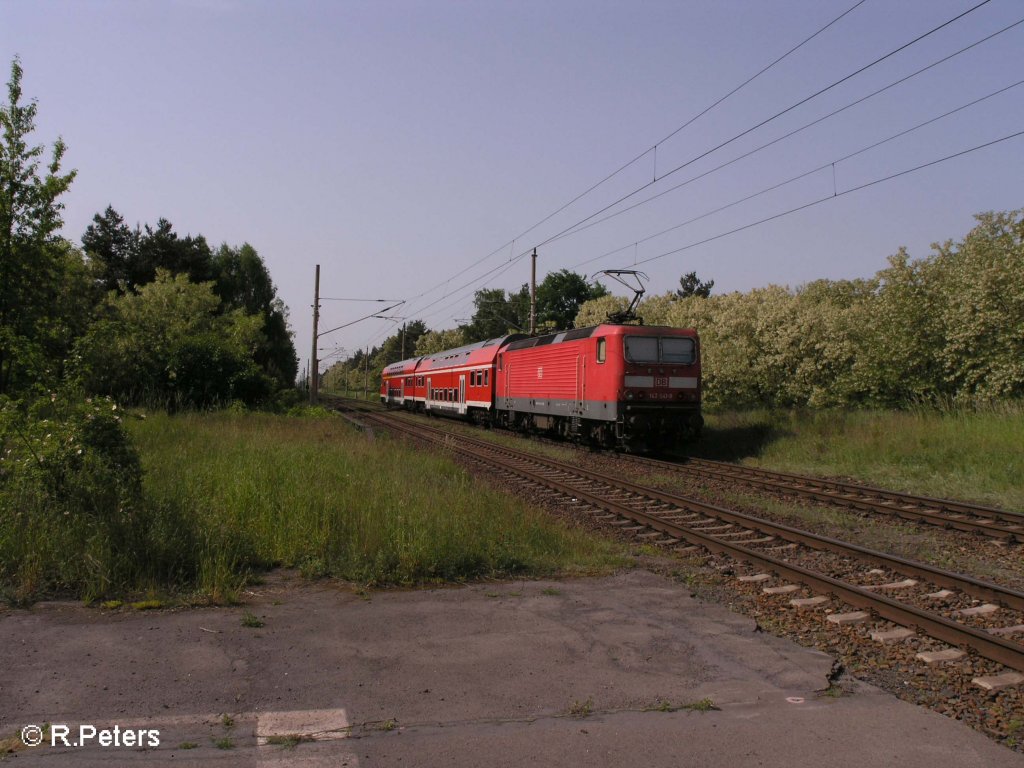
x,y
73,517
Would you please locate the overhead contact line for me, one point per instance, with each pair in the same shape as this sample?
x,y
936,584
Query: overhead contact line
x,y
830,164
636,159
802,128
777,115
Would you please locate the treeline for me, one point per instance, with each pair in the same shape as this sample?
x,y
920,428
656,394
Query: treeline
x,y
496,313
945,329
133,315
180,324
138,314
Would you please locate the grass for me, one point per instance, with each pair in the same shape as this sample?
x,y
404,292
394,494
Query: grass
x,y
581,708
288,741
968,454
704,705
254,491
251,621
146,605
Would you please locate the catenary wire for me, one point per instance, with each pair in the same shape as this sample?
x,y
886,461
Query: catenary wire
x,y
785,136
643,154
805,174
834,196
764,122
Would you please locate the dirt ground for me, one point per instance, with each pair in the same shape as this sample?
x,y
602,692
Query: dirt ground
x,y
623,670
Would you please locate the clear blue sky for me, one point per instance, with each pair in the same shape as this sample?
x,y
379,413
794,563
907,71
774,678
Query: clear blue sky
x,y
398,143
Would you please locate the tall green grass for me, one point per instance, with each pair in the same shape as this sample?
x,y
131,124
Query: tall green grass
x,y
975,454
260,490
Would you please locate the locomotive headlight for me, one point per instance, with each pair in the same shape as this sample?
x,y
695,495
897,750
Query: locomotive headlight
x,y
629,395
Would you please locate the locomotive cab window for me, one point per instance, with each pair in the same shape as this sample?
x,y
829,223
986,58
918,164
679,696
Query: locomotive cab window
x,y
677,350
601,350
642,349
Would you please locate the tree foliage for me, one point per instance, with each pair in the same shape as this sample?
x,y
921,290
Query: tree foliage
x,y
242,281
438,341
948,328
691,285
169,343
559,298
33,262
126,259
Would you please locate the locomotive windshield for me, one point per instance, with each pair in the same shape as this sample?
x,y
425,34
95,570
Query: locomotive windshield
x,y
664,349
677,350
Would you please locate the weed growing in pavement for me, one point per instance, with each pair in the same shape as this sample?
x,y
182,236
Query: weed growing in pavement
x,y
581,708
551,592
225,743
288,741
662,705
704,705
188,745
227,721
251,620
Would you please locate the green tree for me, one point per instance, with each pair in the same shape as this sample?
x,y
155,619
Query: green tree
x,y
400,346
560,296
162,248
438,341
113,249
242,281
691,285
495,315
170,343
31,259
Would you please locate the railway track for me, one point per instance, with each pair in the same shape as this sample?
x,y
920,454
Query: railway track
x,y
946,513
955,609
1006,525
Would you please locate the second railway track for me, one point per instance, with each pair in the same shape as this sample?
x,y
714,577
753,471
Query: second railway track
x,y
946,513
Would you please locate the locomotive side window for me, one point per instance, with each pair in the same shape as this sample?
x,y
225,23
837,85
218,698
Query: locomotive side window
x,y
677,350
487,377
642,349
601,350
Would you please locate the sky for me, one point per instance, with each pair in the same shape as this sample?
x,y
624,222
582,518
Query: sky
x,y
409,147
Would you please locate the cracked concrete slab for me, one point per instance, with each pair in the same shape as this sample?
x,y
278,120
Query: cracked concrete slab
x,y
545,672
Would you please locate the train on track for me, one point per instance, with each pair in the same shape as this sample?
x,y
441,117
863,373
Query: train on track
x,y
631,387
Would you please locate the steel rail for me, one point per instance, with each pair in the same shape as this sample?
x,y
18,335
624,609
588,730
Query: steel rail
x,y
978,588
866,498
840,492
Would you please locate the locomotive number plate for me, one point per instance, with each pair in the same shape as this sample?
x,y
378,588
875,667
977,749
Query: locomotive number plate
x,y
661,381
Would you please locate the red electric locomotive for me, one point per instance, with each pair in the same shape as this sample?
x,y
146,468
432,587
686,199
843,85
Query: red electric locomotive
x,y
632,387
625,386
